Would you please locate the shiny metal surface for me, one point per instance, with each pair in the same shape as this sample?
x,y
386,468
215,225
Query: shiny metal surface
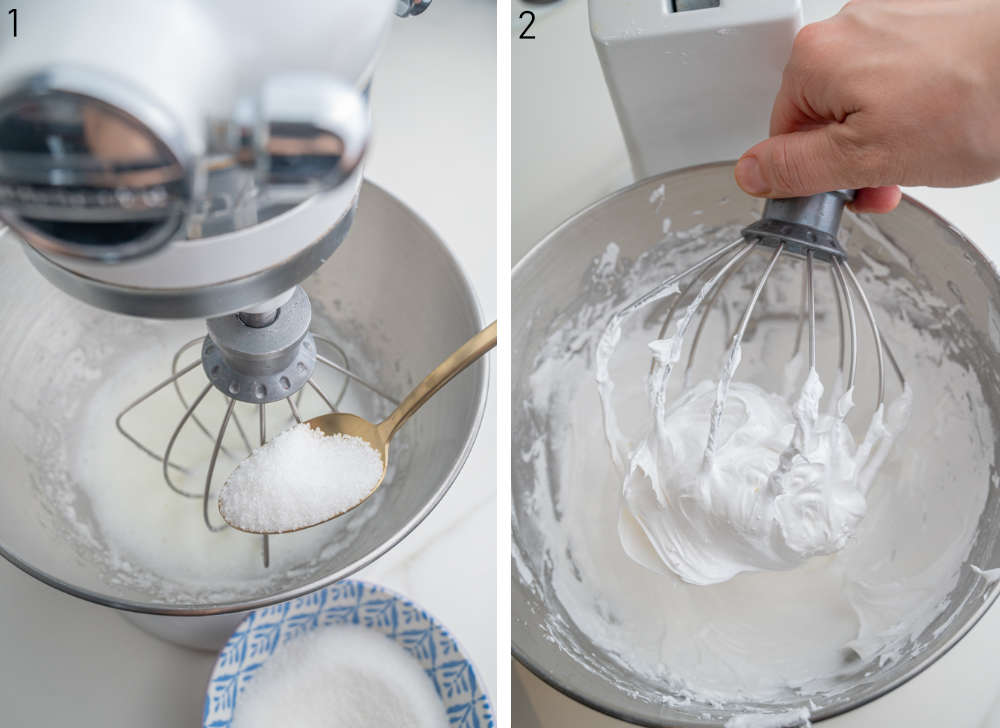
x,y
803,224
301,133
932,256
680,6
262,364
409,8
228,296
44,330
90,167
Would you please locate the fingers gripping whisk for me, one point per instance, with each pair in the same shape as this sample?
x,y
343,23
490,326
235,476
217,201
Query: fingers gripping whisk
x,y
804,229
266,369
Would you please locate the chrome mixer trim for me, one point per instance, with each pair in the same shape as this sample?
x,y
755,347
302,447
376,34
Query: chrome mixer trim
x,y
40,192
108,91
93,172
226,297
301,131
410,8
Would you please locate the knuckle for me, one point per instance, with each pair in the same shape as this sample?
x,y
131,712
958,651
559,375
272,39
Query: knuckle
x,y
808,40
817,51
866,159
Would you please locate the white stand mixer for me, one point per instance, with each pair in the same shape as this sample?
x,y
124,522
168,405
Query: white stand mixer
x,y
201,171
692,81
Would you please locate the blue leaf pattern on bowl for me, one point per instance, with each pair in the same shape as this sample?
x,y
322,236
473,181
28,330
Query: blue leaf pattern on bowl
x,y
348,602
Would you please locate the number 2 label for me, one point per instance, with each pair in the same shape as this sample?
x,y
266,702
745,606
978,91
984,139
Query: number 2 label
x,y
531,20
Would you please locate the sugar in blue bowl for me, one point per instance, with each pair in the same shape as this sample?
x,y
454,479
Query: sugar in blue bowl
x,y
343,615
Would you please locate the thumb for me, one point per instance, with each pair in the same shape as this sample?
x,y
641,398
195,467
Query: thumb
x,y
797,164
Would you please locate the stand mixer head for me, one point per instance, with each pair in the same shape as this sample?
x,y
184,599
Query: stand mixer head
x,y
171,186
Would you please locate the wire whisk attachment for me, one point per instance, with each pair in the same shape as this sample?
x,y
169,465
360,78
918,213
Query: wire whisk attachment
x,y
802,228
257,362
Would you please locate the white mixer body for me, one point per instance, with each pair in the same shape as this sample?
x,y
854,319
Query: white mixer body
x,y
692,81
203,81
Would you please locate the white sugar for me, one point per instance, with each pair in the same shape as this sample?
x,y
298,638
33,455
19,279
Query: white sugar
x,y
340,677
298,479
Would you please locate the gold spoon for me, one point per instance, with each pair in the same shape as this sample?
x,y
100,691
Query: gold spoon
x,y
378,436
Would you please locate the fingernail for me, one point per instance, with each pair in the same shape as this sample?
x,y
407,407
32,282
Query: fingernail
x,y
750,178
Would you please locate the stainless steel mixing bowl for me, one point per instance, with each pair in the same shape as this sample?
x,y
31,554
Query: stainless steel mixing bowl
x,y
393,293
912,243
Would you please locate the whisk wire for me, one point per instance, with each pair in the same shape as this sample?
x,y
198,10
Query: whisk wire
x,y
851,321
142,398
880,357
346,372
662,371
294,409
188,414
243,433
211,467
319,392
265,546
346,364
656,292
812,310
749,247
841,322
674,303
800,327
180,393
732,361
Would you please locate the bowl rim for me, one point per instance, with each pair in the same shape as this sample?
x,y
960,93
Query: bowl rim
x,y
396,596
228,607
601,706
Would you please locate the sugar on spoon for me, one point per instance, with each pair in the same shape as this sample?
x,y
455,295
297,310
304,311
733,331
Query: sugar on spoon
x,y
376,436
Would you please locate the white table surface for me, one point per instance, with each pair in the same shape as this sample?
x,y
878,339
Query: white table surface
x,y
567,151
65,662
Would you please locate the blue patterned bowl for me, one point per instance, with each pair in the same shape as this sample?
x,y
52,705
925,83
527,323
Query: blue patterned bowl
x,y
356,603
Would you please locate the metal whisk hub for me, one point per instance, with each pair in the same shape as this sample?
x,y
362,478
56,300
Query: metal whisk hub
x,y
261,364
803,224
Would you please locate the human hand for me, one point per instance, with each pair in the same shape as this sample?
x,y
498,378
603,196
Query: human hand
x,y
885,93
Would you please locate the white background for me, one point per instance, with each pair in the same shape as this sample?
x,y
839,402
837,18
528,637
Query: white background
x,y
567,151
65,662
